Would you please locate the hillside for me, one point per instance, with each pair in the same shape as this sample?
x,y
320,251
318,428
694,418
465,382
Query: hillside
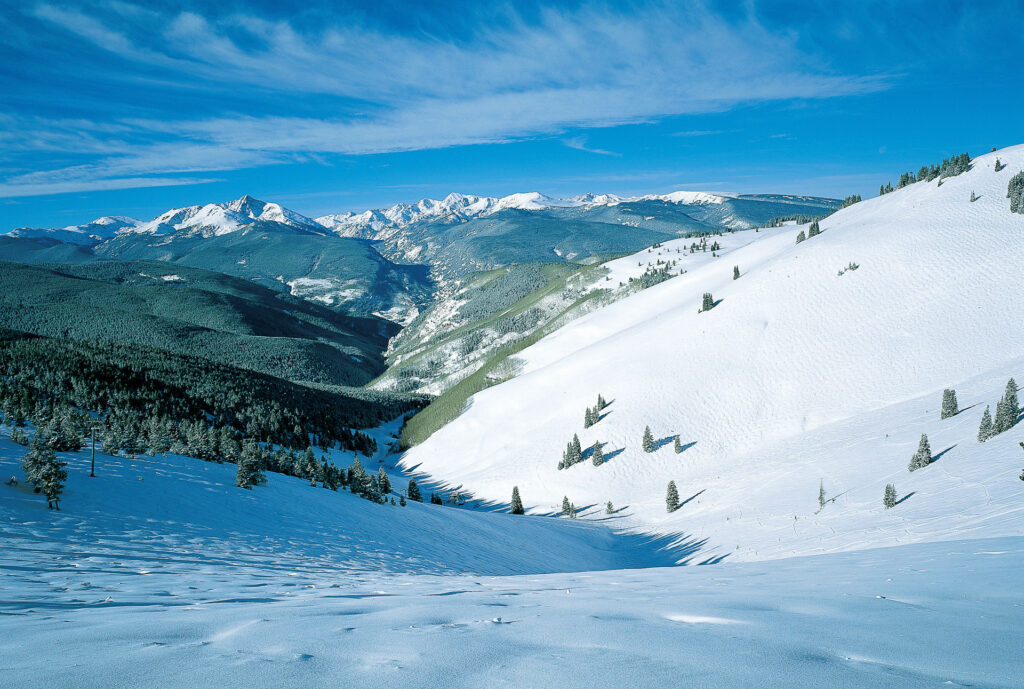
x,y
195,312
780,386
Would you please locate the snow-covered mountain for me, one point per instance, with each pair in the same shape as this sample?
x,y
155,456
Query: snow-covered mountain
x,y
89,234
825,361
216,219
461,207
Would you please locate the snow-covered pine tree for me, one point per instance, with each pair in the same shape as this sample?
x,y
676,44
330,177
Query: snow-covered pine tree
x,y
707,302
250,466
577,449
647,443
923,456
588,418
51,480
401,500
1007,409
359,480
735,272
39,454
1015,192
949,404
999,165
566,507
973,197
672,497
985,429
677,445
18,436
609,508
801,237
889,499
517,503
596,454
414,491
601,404
814,230
821,494
383,481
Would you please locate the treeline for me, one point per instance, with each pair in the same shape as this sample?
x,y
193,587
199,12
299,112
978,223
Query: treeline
x,y
949,167
145,399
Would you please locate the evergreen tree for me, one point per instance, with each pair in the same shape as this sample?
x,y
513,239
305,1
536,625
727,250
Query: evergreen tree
x,y
566,507
648,440
672,497
35,459
577,449
735,272
821,494
999,165
401,500
18,436
588,418
52,478
985,430
601,404
250,466
414,491
814,230
889,499
949,404
359,480
677,445
1015,192
517,503
597,455
708,302
609,508
801,237
923,456
973,197
383,481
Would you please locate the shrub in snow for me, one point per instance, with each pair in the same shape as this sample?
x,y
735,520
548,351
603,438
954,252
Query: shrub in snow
x,y
648,440
949,404
672,497
923,456
985,429
889,499
517,503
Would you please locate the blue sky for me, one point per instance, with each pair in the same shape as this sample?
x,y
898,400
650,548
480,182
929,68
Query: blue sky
x,y
113,107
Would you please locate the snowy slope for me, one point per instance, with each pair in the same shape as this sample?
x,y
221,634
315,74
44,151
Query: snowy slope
x,y
798,375
91,233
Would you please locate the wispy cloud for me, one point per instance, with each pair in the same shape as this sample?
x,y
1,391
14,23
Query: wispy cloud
x,y
596,66
580,144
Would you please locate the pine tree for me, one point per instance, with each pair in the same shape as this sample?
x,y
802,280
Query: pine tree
x,y
1012,402
973,197
609,508
735,272
517,503
889,499
801,237
588,418
672,497
359,480
384,481
51,480
999,165
39,454
708,302
250,469
923,456
577,449
601,404
401,500
985,430
566,507
949,404
414,491
677,445
648,440
821,494
814,230
597,455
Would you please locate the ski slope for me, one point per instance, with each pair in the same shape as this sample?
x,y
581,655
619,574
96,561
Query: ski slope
x,y
160,573
799,375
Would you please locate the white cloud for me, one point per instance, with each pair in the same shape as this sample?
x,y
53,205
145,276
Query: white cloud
x,y
592,67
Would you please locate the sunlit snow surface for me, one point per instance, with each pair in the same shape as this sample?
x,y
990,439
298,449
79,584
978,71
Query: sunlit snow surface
x,y
180,579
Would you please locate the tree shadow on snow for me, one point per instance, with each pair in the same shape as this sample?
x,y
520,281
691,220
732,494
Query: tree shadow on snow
x,y
691,497
936,458
658,444
905,497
